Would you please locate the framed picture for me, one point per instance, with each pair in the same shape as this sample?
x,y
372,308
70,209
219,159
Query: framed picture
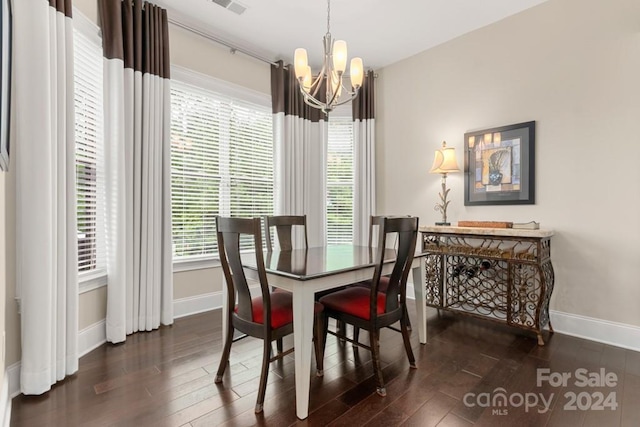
x,y
499,165
5,82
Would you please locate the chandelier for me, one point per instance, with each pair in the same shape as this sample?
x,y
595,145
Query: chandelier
x,y
330,77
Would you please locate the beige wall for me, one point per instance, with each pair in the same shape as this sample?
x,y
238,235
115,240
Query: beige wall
x,y
574,67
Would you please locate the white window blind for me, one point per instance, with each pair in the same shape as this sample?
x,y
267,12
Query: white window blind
x,y
89,155
340,181
221,164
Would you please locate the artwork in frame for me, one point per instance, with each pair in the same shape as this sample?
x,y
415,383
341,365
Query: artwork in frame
x,y
5,82
499,165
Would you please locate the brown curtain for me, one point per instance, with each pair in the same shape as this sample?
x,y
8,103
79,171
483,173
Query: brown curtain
x,y
286,97
300,148
135,40
363,109
363,106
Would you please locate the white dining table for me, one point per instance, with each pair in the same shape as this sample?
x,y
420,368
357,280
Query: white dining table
x,y
303,272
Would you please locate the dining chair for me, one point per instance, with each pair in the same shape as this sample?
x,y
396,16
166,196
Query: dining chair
x,y
375,223
268,316
370,308
284,230
284,225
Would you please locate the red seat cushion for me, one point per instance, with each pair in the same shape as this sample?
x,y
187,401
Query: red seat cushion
x,y
281,309
354,301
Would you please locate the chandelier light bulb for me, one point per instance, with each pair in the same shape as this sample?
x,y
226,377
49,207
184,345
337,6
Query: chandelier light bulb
x,y
340,56
357,73
300,62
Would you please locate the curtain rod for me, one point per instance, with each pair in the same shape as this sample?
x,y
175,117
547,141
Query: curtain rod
x,y
215,39
225,43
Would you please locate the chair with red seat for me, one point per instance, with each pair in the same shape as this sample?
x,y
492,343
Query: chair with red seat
x,y
375,222
268,316
370,308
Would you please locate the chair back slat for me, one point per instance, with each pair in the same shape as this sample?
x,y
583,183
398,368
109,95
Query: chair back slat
x,y
406,229
284,230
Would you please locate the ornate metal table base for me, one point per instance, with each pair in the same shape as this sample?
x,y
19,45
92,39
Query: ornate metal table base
x,y
503,275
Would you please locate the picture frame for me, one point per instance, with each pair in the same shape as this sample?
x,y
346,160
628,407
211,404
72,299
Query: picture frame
x,y
499,165
5,82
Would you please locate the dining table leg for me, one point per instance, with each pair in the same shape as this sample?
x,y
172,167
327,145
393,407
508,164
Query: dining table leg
x,y
419,279
303,315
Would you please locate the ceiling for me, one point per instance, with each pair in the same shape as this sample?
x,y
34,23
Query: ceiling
x,y
380,31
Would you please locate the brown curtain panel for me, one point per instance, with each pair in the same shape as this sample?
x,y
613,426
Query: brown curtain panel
x,y
300,147
136,32
364,131
286,97
135,38
363,106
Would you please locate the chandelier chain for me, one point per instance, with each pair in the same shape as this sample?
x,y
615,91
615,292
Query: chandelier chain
x,y
328,16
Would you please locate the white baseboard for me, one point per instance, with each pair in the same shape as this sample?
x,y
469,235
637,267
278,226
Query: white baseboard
x,y
197,304
12,375
604,331
92,337
5,402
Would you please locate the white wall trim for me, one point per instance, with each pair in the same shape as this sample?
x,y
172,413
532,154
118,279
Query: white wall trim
x,y
604,331
197,304
5,402
589,328
12,374
92,337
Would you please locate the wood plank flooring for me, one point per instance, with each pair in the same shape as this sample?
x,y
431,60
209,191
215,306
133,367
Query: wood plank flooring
x,y
165,378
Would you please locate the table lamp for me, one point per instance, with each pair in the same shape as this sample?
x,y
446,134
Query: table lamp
x,y
444,162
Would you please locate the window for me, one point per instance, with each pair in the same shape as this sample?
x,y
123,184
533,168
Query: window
x,y
90,181
340,181
221,164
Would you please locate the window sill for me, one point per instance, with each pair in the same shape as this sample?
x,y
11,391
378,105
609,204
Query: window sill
x,y
88,282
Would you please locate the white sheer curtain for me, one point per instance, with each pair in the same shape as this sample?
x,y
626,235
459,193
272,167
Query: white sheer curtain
x,y
300,152
44,161
138,169
363,108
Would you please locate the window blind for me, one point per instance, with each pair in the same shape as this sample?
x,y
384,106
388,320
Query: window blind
x,y
221,164
340,181
90,183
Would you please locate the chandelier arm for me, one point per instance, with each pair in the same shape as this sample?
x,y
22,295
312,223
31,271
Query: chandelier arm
x,y
309,99
315,86
351,95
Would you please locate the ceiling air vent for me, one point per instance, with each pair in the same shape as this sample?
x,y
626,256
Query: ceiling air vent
x,y
231,5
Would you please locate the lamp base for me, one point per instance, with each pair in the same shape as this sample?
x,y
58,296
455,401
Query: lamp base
x,y
443,223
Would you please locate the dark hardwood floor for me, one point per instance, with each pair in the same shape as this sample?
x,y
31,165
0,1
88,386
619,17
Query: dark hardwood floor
x,y
165,378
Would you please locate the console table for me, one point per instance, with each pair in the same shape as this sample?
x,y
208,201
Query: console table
x,y
500,274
